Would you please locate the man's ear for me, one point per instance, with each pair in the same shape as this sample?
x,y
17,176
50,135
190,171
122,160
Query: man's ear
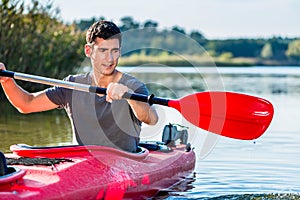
x,y
87,50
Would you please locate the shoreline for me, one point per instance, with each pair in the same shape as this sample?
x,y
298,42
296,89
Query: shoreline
x,y
190,62
172,64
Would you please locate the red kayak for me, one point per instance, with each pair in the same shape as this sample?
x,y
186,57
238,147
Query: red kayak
x,y
93,172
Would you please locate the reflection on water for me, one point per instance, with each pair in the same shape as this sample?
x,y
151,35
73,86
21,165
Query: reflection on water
x,y
267,168
38,129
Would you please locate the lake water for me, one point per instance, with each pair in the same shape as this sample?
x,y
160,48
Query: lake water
x,y
266,168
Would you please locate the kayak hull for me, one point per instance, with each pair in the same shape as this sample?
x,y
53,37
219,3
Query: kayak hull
x,y
94,172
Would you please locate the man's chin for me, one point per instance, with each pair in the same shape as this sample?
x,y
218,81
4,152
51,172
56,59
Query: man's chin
x,y
109,71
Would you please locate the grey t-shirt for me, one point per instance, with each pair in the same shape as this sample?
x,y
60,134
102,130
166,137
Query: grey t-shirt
x,y
94,120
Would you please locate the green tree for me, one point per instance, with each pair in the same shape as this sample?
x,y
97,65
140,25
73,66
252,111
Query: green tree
x,y
293,50
279,47
150,24
225,56
197,36
266,51
238,47
128,23
84,24
34,41
178,29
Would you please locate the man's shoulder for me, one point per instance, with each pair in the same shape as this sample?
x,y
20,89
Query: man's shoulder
x,y
133,83
129,78
79,78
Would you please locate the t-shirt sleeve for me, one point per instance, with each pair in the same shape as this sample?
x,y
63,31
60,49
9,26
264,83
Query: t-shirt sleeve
x,y
58,95
136,85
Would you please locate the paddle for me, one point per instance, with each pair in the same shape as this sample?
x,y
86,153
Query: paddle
x,y
228,114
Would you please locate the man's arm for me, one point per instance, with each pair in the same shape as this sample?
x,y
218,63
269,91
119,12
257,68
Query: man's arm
x,y
144,112
24,101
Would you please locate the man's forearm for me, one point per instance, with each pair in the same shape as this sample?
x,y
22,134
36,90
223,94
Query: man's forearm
x,y
17,96
144,112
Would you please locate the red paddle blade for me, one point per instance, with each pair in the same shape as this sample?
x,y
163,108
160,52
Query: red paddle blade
x,y
228,114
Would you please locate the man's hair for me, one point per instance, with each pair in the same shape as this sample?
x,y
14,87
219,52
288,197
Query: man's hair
x,y
103,29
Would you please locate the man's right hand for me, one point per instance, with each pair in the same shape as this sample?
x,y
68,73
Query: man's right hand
x,y
3,79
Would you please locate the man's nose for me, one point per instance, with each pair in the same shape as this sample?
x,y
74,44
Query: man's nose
x,y
110,56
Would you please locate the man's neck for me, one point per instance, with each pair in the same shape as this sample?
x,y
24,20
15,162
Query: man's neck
x,y
102,80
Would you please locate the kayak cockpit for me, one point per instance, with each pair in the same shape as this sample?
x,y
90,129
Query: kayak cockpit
x,y
79,150
9,175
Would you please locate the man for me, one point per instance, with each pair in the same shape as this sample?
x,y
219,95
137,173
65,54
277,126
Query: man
x,y
106,120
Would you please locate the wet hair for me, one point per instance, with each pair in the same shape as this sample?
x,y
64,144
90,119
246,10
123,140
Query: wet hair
x,y
103,29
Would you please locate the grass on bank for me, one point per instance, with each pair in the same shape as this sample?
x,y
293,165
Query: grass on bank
x,y
194,60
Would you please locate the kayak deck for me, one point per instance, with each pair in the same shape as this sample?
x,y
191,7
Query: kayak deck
x,y
94,172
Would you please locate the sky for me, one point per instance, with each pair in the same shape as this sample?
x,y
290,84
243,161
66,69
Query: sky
x,y
215,19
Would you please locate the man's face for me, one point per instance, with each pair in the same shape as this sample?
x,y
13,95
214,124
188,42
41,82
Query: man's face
x,y
104,55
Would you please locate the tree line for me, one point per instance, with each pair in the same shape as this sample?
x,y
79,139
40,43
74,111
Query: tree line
x,y
35,40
